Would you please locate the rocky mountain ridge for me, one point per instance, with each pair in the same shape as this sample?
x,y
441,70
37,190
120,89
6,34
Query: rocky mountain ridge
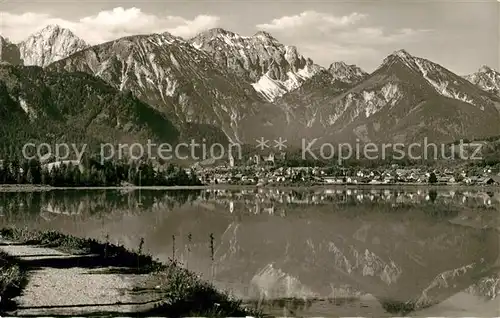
x,y
184,83
223,86
405,99
50,44
486,78
272,68
43,47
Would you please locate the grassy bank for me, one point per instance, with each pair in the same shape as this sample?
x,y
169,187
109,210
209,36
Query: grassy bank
x,y
12,278
184,294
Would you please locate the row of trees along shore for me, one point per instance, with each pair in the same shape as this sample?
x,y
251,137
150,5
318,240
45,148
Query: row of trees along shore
x,y
91,172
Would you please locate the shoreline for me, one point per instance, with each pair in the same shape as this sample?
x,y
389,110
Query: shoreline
x,y
171,290
364,186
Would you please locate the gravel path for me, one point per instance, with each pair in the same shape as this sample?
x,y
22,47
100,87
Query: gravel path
x,y
60,290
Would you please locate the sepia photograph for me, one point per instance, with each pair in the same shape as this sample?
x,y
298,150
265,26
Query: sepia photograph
x,y
260,158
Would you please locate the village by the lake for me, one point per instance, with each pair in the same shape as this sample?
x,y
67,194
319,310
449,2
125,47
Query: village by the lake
x,y
268,170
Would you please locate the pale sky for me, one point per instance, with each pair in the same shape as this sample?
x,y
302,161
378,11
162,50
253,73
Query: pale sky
x,y
460,35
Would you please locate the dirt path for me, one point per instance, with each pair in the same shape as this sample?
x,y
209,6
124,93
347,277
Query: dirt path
x,y
64,284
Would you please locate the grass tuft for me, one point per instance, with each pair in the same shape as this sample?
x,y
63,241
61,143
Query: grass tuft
x,y
189,296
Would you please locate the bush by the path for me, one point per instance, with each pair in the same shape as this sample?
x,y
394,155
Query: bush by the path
x,y
11,280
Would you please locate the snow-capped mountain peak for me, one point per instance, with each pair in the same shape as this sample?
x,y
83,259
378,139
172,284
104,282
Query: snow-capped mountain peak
x,y
443,81
220,32
164,38
272,68
51,28
486,78
266,36
217,34
52,31
50,44
402,53
401,56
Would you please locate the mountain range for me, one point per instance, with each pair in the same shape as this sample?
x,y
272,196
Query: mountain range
x,y
221,86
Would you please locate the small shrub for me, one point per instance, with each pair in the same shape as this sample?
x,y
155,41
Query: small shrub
x,y
12,278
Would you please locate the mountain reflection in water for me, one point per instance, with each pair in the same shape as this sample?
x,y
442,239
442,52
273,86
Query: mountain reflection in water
x,y
313,252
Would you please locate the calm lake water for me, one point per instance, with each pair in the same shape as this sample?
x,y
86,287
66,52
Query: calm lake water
x,y
321,252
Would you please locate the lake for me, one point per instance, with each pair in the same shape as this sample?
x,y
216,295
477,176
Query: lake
x,y
313,252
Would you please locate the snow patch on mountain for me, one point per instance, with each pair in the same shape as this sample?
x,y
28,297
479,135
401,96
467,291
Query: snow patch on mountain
x,y
389,94
271,88
308,71
367,102
401,55
441,86
23,105
163,39
293,81
27,109
437,76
